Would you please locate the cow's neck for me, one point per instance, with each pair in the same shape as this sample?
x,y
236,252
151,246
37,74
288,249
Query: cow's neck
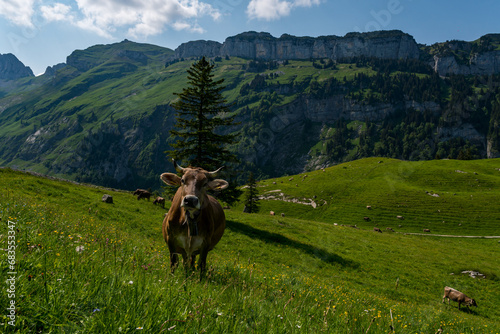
x,y
192,218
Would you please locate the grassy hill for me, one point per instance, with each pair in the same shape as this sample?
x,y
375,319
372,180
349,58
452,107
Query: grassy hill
x,y
87,266
445,196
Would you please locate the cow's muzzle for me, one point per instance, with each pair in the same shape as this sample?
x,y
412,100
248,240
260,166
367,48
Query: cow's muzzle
x,y
190,202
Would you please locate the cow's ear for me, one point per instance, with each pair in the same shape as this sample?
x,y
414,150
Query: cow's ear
x,y
218,184
171,179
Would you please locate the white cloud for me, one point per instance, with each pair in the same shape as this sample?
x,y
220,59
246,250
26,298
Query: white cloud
x,y
274,9
268,9
104,17
57,12
18,12
88,24
180,25
143,18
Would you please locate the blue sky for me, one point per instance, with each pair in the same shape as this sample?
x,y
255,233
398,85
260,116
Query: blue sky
x,y
42,33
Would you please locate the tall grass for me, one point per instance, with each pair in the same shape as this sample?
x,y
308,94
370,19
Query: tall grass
x,y
90,267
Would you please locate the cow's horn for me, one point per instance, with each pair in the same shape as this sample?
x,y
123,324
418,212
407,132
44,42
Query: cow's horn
x,y
177,167
214,173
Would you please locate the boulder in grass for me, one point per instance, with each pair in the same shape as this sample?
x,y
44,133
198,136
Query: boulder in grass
x,y
107,199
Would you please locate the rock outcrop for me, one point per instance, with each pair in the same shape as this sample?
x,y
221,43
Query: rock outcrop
x,y
479,57
12,68
51,70
382,44
198,48
478,64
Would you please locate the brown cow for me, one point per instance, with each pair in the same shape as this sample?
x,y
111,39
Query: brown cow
x,y
196,221
376,229
138,191
458,296
159,200
144,194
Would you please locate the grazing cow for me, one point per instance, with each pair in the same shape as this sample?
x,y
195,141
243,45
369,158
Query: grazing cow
x,y
159,200
282,214
369,207
367,219
139,191
196,221
389,229
376,229
400,217
458,296
271,213
144,194
427,230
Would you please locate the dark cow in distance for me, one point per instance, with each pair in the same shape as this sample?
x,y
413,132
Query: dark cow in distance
x,y
142,193
195,222
145,194
160,201
138,191
458,296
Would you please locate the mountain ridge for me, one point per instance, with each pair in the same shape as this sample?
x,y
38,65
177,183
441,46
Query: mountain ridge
x,y
255,45
482,55
104,117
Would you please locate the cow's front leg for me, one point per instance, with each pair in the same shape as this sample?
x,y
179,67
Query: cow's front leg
x,y
202,262
192,261
174,261
189,261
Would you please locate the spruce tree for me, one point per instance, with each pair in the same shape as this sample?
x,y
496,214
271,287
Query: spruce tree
x,y
202,110
252,195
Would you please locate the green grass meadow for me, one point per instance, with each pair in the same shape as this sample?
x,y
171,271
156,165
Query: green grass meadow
x,y
84,266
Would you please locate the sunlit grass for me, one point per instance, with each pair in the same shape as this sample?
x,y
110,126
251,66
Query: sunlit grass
x,y
86,266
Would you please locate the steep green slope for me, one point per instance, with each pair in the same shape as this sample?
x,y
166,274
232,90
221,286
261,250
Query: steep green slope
x,y
87,266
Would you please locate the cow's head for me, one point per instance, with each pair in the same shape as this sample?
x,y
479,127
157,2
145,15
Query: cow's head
x,y
194,183
472,302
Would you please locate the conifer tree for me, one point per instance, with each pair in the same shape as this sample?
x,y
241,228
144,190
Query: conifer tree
x,y
202,110
252,195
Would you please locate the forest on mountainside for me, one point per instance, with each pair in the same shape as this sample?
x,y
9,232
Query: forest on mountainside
x,y
407,132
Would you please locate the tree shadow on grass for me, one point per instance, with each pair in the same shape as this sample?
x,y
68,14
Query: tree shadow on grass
x,y
275,238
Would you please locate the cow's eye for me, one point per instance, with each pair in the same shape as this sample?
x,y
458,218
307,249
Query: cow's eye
x,y
183,181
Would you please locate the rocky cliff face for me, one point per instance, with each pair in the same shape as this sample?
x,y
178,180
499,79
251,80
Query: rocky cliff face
x,y
253,45
478,57
11,68
492,151
478,64
380,44
198,48
283,146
